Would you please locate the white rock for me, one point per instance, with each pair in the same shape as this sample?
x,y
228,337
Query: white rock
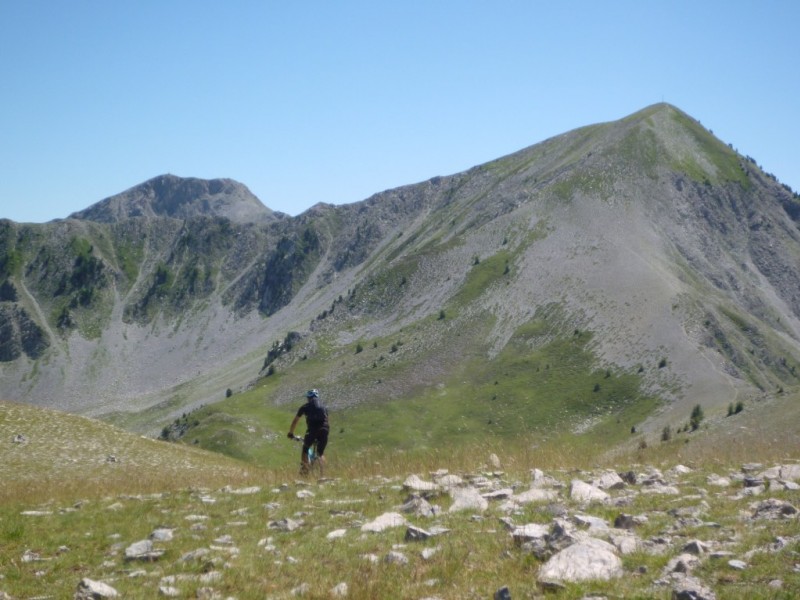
x,y
449,481
383,522
336,534
583,492
530,531
90,590
467,499
415,484
588,559
340,590
535,495
790,472
396,558
162,534
609,480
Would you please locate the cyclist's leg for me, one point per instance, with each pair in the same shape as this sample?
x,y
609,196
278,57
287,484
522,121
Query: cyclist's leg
x,y
322,443
307,441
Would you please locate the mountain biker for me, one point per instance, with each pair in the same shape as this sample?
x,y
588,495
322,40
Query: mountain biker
x,y
317,428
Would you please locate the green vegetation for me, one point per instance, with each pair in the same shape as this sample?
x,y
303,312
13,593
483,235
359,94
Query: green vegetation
x,y
70,511
696,418
538,387
726,162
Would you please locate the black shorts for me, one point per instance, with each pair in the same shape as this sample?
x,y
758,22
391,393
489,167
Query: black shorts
x,y
320,436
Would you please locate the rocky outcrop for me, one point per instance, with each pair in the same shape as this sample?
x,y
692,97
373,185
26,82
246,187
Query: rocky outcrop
x,y
19,334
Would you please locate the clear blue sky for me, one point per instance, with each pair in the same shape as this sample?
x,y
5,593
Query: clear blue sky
x,y
308,102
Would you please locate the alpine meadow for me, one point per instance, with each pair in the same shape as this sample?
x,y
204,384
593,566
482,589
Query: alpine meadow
x,y
609,318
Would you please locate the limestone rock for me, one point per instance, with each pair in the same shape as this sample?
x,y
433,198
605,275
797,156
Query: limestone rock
x,y
584,492
589,559
416,484
94,590
467,499
383,522
142,550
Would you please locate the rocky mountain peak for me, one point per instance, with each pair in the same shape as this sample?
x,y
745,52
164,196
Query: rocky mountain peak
x,y
180,198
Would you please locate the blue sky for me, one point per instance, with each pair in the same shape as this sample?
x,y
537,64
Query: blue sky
x,y
308,102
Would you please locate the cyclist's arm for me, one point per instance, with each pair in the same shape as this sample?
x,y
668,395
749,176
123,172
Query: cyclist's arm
x,y
293,425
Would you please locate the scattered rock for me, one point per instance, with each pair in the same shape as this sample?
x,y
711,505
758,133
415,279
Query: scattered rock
x,y
94,590
142,550
502,594
581,491
686,587
718,481
790,473
396,558
530,532
467,499
623,521
285,524
773,509
697,548
609,480
336,534
419,507
383,522
415,484
448,481
340,590
162,534
683,563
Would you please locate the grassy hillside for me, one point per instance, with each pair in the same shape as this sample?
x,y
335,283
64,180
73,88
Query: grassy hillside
x,y
224,529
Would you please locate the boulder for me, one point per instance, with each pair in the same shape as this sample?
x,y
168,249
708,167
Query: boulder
x,y
773,509
467,499
586,560
790,473
584,492
419,507
609,480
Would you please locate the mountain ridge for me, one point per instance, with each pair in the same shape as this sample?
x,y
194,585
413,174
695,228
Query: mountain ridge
x,y
650,233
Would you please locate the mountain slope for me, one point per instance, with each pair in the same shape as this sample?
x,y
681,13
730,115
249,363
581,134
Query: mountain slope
x,y
646,246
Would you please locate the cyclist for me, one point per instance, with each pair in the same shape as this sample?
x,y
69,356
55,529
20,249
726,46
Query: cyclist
x,y
317,428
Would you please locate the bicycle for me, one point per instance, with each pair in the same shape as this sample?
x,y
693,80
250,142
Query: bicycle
x,y
314,465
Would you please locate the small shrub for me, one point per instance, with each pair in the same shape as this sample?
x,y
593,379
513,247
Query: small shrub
x,y
696,417
359,348
666,433
228,393
739,407
662,363
441,315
